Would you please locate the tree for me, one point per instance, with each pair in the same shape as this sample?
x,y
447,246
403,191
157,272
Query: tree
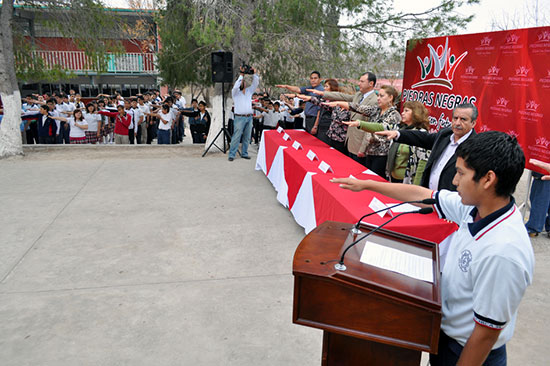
x,y
285,37
73,18
533,14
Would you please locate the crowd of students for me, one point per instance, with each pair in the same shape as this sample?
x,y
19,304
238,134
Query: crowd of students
x,y
142,119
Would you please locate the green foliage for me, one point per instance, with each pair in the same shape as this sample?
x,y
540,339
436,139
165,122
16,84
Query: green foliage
x,y
286,39
84,21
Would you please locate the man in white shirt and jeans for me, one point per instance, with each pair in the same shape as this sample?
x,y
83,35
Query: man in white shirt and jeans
x,y
242,102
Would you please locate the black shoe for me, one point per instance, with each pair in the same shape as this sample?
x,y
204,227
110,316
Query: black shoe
x,y
246,157
231,159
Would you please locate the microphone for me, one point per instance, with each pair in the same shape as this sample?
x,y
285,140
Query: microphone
x,y
355,228
423,211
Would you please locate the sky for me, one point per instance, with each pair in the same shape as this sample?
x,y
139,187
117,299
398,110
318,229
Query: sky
x,y
484,12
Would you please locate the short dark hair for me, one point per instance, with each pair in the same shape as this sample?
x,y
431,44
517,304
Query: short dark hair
x,y
317,73
475,112
496,151
371,77
203,103
194,100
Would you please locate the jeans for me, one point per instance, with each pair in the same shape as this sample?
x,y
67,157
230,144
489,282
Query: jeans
x,y
539,216
163,137
449,351
242,128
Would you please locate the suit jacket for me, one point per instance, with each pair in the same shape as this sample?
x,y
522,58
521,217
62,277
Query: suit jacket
x,y
437,142
46,129
357,139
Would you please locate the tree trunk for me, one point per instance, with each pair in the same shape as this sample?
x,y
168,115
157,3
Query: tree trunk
x,y
10,133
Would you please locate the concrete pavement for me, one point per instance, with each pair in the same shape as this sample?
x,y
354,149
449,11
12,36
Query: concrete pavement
x,y
114,255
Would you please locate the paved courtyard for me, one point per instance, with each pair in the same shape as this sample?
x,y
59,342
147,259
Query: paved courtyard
x,y
115,255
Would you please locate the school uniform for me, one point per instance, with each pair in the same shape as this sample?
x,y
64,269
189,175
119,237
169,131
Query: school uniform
x,y
488,267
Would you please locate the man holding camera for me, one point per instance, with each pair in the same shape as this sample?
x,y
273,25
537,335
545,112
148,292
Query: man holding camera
x,y
242,101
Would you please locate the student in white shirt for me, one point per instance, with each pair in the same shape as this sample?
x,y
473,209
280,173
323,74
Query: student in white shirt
x,y
165,124
78,126
490,260
93,133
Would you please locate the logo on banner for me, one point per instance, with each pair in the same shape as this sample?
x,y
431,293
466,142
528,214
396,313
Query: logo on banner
x,y
485,47
540,149
511,46
513,134
545,81
522,77
543,142
468,75
486,41
542,44
500,108
512,39
492,76
439,66
484,128
530,112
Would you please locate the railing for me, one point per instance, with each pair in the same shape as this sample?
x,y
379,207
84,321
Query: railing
x,y
78,61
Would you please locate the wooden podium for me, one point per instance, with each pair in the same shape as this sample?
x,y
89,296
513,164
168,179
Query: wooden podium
x,y
369,315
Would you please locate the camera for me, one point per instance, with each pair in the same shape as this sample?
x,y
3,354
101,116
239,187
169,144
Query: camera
x,y
247,69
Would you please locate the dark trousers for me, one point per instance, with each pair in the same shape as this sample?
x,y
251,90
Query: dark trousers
x,y
64,131
310,122
32,133
361,161
138,135
377,164
151,132
46,140
131,135
198,132
256,130
299,123
174,135
339,145
449,351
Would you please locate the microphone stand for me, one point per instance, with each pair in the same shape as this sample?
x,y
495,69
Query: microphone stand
x,y
355,228
340,266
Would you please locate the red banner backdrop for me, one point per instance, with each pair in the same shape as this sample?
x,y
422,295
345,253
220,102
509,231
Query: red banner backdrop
x,y
505,74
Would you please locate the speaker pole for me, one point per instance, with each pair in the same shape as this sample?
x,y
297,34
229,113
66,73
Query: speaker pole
x,y
222,130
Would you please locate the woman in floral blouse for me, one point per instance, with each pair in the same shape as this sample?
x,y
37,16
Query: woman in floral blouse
x,y
385,116
329,126
405,163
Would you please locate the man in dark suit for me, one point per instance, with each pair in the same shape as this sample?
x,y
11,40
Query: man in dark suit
x,y
440,168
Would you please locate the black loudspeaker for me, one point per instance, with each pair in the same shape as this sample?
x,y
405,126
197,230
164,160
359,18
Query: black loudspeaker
x,y
222,67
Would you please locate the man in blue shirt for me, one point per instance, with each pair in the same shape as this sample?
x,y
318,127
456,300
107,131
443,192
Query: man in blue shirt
x,y
311,110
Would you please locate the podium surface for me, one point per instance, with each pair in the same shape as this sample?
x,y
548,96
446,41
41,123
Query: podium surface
x,y
370,316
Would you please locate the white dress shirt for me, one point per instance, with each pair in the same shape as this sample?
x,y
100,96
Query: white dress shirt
x,y
449,151
243,101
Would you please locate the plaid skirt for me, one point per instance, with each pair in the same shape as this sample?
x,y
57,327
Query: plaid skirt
x,y
91,137
78,140
107,129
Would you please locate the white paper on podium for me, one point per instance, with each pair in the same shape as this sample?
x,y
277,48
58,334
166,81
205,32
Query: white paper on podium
x,y
296,145
395,260
286,137
279,129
